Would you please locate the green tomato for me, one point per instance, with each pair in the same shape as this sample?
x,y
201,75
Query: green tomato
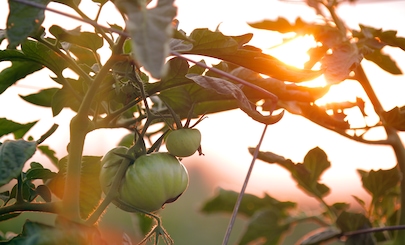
x,y
153,180
110,164
183,142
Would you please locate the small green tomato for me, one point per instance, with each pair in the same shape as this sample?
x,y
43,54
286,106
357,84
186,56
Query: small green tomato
x,y
110,164
183,142
153,180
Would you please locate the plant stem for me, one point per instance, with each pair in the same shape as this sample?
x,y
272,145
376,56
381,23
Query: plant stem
x,y
50,207
79,127
394,140
242,192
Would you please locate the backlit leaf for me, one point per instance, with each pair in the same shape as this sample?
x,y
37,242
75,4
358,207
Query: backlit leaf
x,y
18,129
395,118
150,30
42,98
227,88
384,61
90,189
348,221
379,183
88,40
265,225
225,200
13,155
306,174
232,49
23,20
341,62
17,71
51,154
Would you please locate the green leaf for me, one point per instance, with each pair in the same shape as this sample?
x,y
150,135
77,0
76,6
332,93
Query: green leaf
x,y
348,221
265,225
39,173
90,189
150,30
322,235
224,87
341,62
306,174
19,130
34,233
384,61
13,155
225,200
395,118
66,98
232,49
23,20
42,98
87,40
44,192
40,53
17,71
379,183
127,140
51,154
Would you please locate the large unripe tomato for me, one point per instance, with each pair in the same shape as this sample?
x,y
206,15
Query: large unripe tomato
x,y
183,142
109,167
153,180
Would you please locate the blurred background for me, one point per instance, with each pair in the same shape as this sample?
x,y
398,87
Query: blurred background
x,y
226,136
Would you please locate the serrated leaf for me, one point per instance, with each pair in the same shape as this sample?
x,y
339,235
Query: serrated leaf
x,y
18,129
40,53
348,221
395,118
224,87
225,200
23,20
231,49
306,174
66,98
13,155
322,235
42,98
17,71
379,183
384,61
87,40
150,30
34,233
265,225
90,189
338,65
39,173
51,154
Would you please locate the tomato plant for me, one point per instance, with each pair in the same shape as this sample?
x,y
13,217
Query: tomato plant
x,y
146,79
183,142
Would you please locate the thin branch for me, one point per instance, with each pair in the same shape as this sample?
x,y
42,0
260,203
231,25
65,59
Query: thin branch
x,y
50,207
242,192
